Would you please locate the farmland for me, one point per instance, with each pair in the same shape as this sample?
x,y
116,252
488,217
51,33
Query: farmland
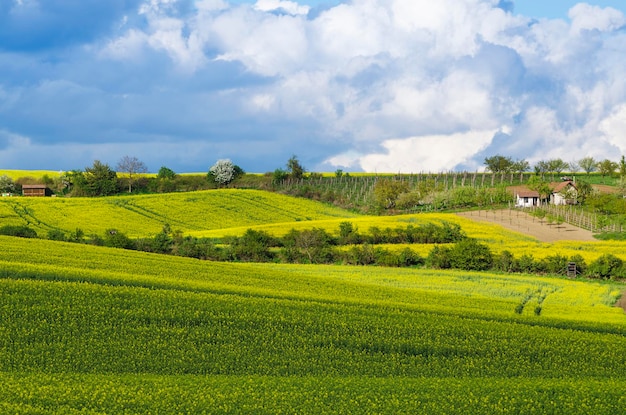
x,y
79,321
145,215
89,329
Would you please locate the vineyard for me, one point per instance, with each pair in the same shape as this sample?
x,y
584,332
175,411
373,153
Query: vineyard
x,y
96,330
357,190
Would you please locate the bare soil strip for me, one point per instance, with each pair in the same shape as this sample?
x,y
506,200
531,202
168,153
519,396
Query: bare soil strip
x,y
621,303
519,221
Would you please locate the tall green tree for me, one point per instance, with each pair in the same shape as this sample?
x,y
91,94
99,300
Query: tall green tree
x,y
520,166
99,180
387,191
499,164
557,166
588,164
607,167
166,173
295,168
6,184
539,185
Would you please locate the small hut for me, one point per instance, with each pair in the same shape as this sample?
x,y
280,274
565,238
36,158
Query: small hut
x,y
36,190
527,198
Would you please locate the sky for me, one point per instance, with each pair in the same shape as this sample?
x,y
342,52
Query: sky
x,y
358,85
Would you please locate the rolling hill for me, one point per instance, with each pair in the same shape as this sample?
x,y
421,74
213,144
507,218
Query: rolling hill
x,y
96,330
87,329
145,215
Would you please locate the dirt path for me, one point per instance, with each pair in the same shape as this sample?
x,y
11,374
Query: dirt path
x,y
520,221
621,303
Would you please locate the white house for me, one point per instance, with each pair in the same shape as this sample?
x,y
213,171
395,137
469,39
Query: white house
x,y
527,198
563,193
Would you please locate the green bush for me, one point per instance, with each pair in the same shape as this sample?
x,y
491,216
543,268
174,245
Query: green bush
x,y
608,266
439,257
116,239
21,231
252,246
56,235
471,255
506,262
555,264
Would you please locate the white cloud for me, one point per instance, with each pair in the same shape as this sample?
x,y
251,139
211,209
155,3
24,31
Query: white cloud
x,y
428,153
430,82
614,128
587,17
290,7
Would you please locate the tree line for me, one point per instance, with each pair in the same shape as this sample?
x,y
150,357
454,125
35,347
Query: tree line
x,y
556,166
452,249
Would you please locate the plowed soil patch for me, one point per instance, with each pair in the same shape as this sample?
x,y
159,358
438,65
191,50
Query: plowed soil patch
x,y
520,221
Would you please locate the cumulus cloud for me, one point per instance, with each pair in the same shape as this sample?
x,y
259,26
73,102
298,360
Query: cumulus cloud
x,y
587,17
289,7
376,85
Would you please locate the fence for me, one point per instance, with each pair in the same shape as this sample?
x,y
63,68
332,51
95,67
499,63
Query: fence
x,y
575,215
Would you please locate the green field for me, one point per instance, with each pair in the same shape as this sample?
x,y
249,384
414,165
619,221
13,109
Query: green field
x,y
145,215
155,334
93,330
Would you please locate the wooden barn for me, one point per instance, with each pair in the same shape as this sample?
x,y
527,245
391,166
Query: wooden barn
x,y
36,190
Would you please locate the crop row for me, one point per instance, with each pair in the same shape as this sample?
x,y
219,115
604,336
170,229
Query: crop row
x,y
145,215
71,262
44,393
60,327
88,329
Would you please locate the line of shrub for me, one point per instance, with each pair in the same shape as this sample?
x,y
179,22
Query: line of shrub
x,y
452,250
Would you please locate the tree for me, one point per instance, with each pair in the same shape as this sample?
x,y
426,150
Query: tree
x,y
166,173
520,166
6,184
557,166
223,172
542,167
607,167
622,167
470,255
132,166
279,175
574,166
311,246
98,180
387,191
583,190
540,186
295,169
499,164
588,164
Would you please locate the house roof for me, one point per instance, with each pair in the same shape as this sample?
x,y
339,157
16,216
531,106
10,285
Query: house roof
x,y
527,193
34,186
557,187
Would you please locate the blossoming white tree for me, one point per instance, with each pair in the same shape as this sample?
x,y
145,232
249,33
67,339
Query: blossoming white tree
x,y
223,171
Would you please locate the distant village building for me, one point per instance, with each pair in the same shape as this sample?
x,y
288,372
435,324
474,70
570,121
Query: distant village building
x,y
562,193
527,198
36,190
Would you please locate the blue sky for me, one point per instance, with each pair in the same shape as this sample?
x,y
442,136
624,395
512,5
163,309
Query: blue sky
x,y
361,85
